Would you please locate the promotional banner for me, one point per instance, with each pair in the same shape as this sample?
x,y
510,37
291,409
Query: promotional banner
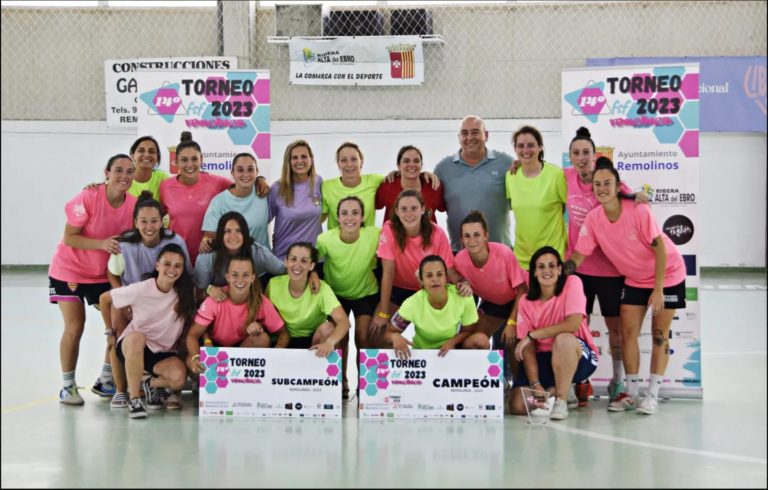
x,y
646,120
732,89
227,112
374,60
121,87
240,382
464,384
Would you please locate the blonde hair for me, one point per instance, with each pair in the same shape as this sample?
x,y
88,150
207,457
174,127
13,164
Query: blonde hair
x,y
285,188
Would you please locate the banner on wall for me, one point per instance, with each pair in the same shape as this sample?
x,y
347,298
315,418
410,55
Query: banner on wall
x,y
241,382
227,112
464,384
646,119
375,60
121,86
732,89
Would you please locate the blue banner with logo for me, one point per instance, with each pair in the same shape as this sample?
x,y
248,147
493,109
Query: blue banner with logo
x,y
732,89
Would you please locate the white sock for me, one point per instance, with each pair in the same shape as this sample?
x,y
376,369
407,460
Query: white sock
x,y
618,369
69,378
655,384
633,384
106,373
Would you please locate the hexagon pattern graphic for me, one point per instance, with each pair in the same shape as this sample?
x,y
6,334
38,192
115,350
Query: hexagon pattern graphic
x,y
374,371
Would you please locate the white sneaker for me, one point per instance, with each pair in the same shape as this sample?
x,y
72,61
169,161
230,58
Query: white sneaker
x,y
573,400
648,404
622,403
70,396
560,410
120,400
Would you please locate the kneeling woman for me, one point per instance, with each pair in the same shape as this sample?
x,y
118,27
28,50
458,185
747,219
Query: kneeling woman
x,y
244,319
555,345
436,310
306,315
162,306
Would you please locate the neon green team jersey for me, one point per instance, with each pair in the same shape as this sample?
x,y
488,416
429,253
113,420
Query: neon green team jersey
x,y
434,327
538,204
348,267
334,191
302,315
152,185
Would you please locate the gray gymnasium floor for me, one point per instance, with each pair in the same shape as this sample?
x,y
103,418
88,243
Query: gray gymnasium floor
x,y
719,441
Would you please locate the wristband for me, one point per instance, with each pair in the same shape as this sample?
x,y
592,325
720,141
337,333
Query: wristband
x,y
537,382
529,336
381,314
511,322
208,290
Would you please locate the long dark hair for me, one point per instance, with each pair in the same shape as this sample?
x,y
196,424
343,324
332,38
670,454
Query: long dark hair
x,y
186,306
605,163
145,200
254,292
222,257
536,135
534,288
582,134
425,224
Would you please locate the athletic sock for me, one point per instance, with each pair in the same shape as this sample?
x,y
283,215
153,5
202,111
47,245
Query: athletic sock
x,y
69,378
106,373
633,384
618,369
655,384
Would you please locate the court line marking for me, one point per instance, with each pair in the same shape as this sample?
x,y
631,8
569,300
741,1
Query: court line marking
x,y
664,447
33,403
736,353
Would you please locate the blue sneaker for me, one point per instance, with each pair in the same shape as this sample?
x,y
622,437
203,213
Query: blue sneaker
x,y
106,390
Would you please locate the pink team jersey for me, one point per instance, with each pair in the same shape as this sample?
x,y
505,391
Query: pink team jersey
x,y
91,212
186,205
229,320
407,261
533,315
627,243
153,314
581,200
498,279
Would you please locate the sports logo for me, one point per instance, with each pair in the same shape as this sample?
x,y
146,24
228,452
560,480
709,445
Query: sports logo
x,y
679,229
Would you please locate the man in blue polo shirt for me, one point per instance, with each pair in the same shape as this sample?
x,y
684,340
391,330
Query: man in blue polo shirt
x,y
473,178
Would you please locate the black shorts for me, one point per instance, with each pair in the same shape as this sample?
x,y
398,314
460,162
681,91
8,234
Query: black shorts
x,y
300,342
150,358
361,306
399,295
584,369
674,296
493,309
76,293
607,290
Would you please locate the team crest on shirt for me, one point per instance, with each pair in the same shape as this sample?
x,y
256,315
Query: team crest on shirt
x,y
78,210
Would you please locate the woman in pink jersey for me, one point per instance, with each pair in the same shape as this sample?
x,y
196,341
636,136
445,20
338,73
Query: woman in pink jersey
x,y
162,306
187,196
406,239
555,345
654,276
78,270
597,273
245,319
494,274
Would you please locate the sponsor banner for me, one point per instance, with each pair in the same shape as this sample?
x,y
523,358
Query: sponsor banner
x,y
732,89
646,119
227,112
240,382
465,384
121,87
374,60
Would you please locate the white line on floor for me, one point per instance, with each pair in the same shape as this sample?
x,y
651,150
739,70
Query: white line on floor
x,y
738,353
664,447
